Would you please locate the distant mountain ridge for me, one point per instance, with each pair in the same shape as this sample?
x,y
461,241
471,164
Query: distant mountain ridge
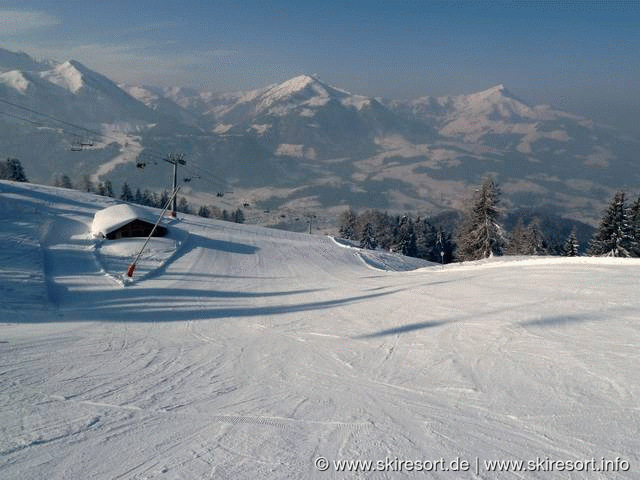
x,y
305,144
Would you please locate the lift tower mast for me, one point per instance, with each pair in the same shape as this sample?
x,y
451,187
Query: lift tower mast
x,y
175,160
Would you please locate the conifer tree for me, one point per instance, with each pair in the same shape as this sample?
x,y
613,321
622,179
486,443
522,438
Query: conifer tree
x,y
147,198
426,241
237,216
87,184
536,244
347,224
126,194
164,199
517,244
108,188
12,170
480,235
204,212
63,181
368,240
614,237
183,206
406,238
571,246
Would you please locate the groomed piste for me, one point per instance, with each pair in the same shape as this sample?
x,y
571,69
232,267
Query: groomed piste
x,y
240,352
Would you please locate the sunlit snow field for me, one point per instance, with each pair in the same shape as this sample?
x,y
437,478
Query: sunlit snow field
x,y
239,352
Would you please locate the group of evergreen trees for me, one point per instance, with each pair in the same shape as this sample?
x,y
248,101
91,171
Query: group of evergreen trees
x,y
11,169
212,211
147,197
152,199
412,237
481,235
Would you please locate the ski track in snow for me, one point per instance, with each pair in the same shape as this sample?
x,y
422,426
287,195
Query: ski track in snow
x,y
248,353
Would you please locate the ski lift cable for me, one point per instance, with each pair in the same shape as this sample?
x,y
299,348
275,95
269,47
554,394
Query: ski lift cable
x,y
206,176
93,133
20,117
146,152
51,117
222,180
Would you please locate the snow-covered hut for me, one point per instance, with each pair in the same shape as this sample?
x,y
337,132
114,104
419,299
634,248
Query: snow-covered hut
x,y
120,221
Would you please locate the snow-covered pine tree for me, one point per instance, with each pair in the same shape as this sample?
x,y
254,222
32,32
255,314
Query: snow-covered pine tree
x,y
426,239
614,237
347,224
368,240
571,246
518,240
480,235
536,243
406,240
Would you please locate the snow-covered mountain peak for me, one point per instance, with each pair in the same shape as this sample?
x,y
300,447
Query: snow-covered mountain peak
x,y
497,93
303,87
16,80
495,103
67,75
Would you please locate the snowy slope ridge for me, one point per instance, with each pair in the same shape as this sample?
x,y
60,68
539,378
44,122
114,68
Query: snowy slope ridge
x,y
250,353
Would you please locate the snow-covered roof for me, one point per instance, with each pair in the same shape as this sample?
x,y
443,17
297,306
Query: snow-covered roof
x,y
111,218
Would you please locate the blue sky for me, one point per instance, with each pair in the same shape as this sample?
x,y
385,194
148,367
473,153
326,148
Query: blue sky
x,y
583,56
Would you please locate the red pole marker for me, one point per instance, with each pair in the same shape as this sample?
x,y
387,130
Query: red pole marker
x,y
131,269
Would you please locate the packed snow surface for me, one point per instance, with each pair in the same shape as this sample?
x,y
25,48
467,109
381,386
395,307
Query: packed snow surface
x,y
247,353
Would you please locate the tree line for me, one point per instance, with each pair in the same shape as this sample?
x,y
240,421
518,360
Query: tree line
x,y
414,237
148,198
481,234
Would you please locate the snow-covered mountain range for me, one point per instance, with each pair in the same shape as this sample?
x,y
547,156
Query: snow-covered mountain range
x,y
306,144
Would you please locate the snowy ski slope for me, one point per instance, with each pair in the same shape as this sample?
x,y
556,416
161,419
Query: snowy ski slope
x,y
245,353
